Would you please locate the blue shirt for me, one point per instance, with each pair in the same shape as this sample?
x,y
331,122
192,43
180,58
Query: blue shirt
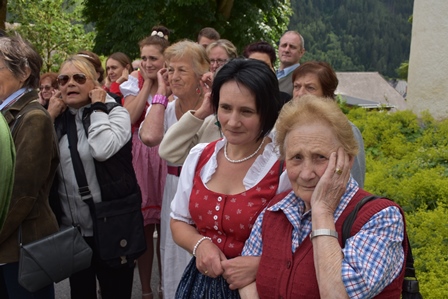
x,y
370,257
285,72
12,98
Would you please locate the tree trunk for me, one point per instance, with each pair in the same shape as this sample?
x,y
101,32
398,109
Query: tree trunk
x,y
3,5
225,7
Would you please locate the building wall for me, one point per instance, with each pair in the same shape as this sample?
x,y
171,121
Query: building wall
x,y
428,62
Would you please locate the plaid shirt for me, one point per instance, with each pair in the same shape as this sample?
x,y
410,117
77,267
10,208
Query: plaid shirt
x,y
373,258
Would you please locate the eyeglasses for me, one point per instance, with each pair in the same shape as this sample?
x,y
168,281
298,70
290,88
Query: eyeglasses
x,y
79,78
45,87
218,61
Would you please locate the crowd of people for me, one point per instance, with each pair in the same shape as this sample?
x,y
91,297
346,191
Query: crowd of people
x,y
246,171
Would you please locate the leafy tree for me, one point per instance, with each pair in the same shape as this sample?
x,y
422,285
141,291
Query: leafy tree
x,y
355,35
121,24
54,27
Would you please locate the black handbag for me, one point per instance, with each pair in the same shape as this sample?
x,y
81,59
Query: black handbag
x,y
52,259
117,223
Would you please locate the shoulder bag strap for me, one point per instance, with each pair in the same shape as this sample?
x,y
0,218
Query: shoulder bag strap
x,y
72,136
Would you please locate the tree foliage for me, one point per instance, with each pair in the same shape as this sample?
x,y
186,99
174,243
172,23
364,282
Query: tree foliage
x,y
122,24
355,35
54,27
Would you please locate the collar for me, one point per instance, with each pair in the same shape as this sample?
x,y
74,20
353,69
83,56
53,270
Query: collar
x,y
17,103
13,97
288,70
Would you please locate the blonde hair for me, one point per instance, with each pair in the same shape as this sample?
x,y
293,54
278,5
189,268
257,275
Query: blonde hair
x,y
84,65
191,50
226,45
313,109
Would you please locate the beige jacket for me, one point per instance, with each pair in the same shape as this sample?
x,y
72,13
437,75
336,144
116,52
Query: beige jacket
x,y
185,134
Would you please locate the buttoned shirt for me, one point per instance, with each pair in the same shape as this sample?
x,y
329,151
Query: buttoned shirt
x,y
370,256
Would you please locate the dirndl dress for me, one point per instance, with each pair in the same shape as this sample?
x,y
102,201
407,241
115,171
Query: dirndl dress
x,y
195,285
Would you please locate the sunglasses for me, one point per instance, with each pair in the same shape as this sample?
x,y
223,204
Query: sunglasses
x,y
79,78
45,87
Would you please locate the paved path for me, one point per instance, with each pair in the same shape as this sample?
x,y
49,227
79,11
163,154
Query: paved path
x,y
62,289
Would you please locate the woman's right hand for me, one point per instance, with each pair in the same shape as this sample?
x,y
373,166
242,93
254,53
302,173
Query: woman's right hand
x,y
56,105
124,76
163,84
206,108
208,259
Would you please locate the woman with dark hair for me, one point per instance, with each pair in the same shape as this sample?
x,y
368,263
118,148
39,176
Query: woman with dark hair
x,y
212,219
319,78
118,68
36,161
139,91
263,51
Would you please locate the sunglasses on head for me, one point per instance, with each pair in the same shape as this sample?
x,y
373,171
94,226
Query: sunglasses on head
x,y
79,78
45,87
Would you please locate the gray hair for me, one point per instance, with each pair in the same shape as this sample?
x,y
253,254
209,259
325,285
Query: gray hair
x,y
302,41
19,55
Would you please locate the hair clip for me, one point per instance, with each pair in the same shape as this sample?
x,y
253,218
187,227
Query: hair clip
x,y
160,34
84,55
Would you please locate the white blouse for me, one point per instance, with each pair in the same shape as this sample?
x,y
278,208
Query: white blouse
x,y
258,170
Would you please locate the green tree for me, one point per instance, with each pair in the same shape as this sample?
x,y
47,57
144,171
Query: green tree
x,y
355,35
54,27
121,24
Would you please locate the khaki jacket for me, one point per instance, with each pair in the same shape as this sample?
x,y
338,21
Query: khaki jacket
x,y
36,162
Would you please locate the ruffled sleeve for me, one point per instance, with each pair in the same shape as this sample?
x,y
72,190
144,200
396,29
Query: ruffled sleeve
x,y
130,87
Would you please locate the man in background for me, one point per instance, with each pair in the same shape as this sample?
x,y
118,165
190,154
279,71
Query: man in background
x,y
207,36
290,51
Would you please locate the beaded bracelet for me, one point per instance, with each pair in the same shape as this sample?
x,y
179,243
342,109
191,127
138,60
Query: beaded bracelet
x,y
323,232
160,99
199,242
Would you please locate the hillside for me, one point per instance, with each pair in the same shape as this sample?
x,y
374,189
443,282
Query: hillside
x,y
355,35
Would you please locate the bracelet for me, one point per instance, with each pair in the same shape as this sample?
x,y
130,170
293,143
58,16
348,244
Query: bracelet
x,y
323,232
199,242
160,99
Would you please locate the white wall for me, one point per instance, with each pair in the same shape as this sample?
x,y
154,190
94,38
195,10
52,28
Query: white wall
x,y
428,62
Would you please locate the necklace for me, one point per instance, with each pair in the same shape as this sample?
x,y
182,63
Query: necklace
x,y
244,159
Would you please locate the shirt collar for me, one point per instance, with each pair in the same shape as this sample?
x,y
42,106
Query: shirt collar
x,y
289,69
12,97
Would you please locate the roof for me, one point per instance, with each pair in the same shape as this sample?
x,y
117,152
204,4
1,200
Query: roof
x,y
368,89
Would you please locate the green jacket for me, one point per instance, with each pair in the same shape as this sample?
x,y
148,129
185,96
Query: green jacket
x,y
7,162
36,162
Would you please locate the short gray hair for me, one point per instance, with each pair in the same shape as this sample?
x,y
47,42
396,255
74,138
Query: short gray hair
x,y
19,55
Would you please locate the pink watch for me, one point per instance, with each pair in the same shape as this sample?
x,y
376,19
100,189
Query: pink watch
x,y
160,99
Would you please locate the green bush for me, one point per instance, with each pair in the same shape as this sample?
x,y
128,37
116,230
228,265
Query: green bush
x,y
407,161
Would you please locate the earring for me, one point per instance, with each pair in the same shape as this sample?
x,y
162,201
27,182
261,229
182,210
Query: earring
x,y
198,90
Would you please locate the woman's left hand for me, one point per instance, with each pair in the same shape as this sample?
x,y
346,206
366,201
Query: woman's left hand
x,y
97,94
208,259
332,184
